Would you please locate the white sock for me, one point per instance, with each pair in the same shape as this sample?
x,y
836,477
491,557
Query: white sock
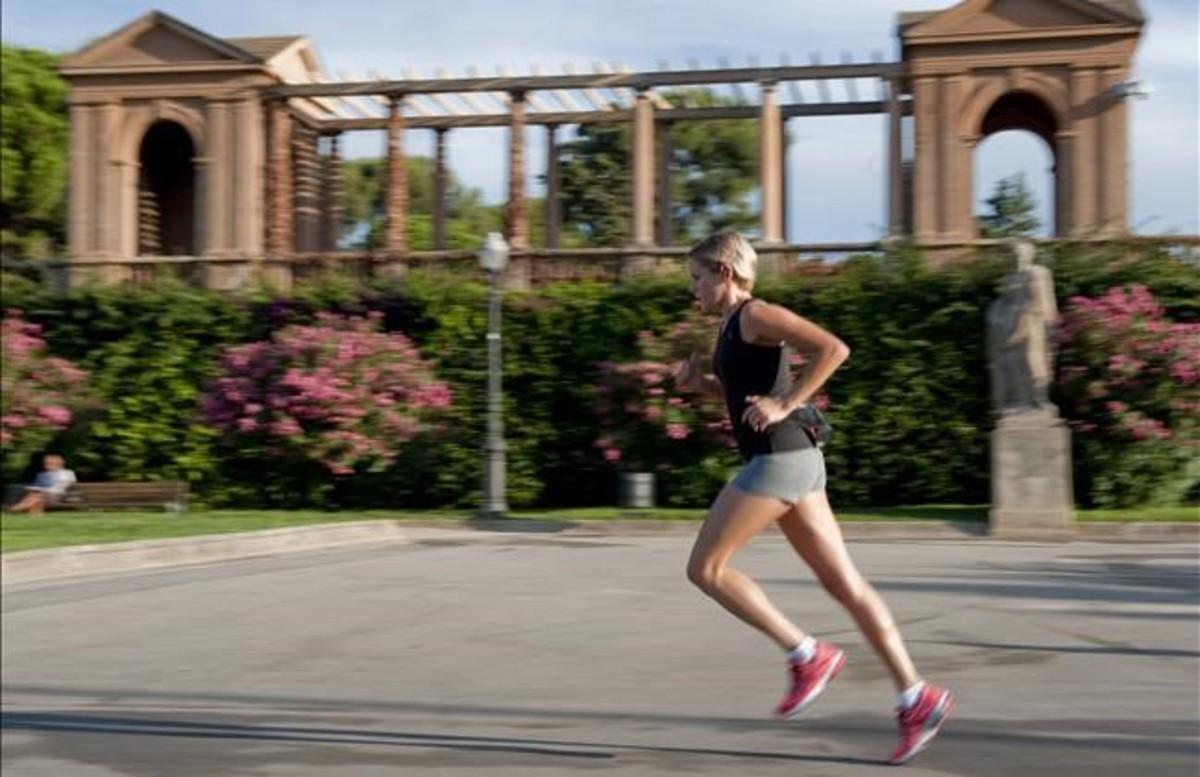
x,y
908,697
803,652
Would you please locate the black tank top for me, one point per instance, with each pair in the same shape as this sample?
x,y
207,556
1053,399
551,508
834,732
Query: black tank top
x,y
745,370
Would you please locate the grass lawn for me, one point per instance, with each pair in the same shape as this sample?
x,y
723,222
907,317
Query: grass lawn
x,y
1165,514
21,532
55,529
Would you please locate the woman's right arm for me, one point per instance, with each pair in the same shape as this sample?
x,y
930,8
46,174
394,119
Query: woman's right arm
x,y
691,378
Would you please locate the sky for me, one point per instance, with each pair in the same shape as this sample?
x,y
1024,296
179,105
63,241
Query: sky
x,y
836,165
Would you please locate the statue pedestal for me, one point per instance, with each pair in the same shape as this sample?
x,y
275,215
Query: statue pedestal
x,y
1032,494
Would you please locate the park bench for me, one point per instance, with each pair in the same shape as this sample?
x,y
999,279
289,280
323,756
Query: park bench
x,y
169,495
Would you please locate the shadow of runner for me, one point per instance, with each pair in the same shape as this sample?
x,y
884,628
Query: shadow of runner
x,y
1114,734
104,724
1106,650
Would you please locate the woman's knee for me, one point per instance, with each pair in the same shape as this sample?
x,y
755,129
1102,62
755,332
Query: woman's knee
x,y
703,573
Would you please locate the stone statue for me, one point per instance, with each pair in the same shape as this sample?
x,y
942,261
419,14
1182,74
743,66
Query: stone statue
x,y
1020,335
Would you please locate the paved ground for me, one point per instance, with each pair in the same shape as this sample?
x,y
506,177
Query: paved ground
x,y
468,653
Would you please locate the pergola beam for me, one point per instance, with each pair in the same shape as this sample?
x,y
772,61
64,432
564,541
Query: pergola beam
x,y
643,80
613,116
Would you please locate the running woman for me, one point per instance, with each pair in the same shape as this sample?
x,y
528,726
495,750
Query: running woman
x,y
783,481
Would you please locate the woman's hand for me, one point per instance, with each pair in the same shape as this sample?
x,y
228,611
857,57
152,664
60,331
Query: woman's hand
x,y
763,412
689,375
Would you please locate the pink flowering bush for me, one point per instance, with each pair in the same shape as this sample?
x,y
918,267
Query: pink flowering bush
x,y
646,421
648,424
37,392
1129,381
340,393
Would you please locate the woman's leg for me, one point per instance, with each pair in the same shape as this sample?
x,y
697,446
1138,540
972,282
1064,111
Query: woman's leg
x,y
32,502
733,519
37,504
814,532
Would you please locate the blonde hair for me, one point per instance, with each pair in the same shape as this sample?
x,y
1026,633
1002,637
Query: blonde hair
x,y
727,248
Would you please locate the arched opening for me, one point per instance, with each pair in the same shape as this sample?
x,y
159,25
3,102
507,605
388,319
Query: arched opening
x,y
1012,152
166,208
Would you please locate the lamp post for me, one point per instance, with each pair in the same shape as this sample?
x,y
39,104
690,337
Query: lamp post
x,y
494,258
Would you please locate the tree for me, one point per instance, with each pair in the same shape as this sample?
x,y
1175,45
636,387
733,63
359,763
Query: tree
x,y
33,154
468,219
714,170
1012,210
595,187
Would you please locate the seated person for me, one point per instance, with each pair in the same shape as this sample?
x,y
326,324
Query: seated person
x,y
50,486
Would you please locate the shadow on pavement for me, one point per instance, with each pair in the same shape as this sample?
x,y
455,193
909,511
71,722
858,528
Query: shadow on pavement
x,y
1104,650
104,724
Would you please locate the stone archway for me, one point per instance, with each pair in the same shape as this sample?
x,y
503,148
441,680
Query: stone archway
x,y
1025,111
1053,67
166,191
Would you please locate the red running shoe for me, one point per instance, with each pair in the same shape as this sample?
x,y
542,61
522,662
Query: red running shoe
x,y
921,722
809,678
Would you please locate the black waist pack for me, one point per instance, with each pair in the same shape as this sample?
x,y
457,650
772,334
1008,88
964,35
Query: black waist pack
x,y
815,424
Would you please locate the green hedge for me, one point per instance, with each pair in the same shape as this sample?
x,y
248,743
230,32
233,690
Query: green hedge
x,y
911,406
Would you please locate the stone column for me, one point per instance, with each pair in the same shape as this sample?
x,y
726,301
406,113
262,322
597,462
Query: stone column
x,y
643,170
396,199
311,155
248,162
769,164
307,174
895,160
216,214
316,174
279,181
128,195
334,194
784,142
519,273
957,198
553,216
203,173
439,189
665,209
1114,159
516,222
79,210
108,211
219,208
1085,184
927,172
1063,165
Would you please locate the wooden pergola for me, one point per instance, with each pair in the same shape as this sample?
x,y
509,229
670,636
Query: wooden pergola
x,y
173,131
303,157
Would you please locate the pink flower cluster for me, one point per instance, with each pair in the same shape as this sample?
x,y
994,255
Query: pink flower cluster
x,y
643,415
340,392
1128,371
37,391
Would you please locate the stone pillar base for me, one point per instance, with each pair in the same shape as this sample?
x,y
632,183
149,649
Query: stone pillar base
x,y
769,264
227,276
942,256
636,265
518,275
275,274
1032,492
392,269
79,276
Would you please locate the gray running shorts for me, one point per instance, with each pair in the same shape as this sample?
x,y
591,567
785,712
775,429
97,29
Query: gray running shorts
x,y
789,476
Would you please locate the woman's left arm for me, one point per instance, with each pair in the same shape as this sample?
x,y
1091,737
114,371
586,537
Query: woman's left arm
x,y
765,323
